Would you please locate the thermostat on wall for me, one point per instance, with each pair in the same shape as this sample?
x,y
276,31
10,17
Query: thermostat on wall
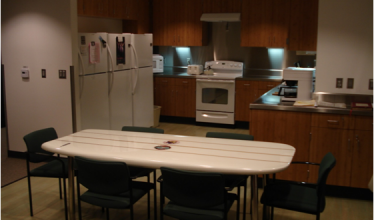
x,y
25,72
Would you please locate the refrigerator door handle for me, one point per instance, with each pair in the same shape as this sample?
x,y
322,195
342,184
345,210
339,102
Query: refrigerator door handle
x,y
136,68
110,72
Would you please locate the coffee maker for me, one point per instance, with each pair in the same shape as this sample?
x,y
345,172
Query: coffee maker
x,y
298,84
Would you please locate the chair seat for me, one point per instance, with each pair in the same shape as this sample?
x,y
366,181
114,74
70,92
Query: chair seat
x,y
139,171
231,179
51,169
187,213
291,196
120,201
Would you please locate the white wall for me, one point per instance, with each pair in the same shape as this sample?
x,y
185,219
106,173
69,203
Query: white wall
x,y
36,34
345,45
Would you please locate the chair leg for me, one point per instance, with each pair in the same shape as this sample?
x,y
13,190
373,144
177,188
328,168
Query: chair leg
x,y
272,212
131,212
107,213
30,197
79,201
155,194
264,212
245,200
148,199
238,204
59,186
65,199
317,217
161,203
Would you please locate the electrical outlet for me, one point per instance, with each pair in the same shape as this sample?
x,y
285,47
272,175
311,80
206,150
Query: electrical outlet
x,y
44,73
62,74
350,83
339,83
370,84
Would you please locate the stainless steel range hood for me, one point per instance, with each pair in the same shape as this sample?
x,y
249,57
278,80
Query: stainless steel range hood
x,y
220,17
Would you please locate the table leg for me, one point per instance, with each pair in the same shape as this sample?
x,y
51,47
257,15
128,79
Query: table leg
x,y
254,197
71,206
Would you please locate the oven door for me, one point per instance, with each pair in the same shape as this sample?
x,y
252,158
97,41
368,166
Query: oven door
x,y
215,95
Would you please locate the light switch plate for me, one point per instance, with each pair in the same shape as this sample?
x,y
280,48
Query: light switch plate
x,y
350,83
339,83
62,74
44,74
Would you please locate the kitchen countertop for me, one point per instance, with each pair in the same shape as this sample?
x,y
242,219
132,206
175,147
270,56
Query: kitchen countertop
x,y
182,72
273,102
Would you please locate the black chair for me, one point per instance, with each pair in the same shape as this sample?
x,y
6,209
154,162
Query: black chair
x,y
300,197
55,167
194,195
109,185
137,172
230,179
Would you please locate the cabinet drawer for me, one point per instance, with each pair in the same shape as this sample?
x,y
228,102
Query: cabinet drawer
x,y
363,123
244,84
267,84
163,80
184,82
331,121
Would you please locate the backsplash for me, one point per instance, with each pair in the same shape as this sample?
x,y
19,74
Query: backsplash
x,y
224,44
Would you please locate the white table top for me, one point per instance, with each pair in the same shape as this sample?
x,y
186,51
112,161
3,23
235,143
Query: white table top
x,y
189,153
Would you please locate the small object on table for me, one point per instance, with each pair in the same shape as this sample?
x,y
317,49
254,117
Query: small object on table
x,y
305,103
365,106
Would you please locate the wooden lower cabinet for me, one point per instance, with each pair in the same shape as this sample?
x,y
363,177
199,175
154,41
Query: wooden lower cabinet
x,y
176,96
340,143
348,138
285,127
246,92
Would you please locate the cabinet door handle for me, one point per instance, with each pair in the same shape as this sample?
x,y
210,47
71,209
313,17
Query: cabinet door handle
x,y
349,144
332,121
165,81
184,81
247,84
269,85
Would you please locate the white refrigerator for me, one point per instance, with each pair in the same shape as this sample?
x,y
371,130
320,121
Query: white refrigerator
x,y
122,94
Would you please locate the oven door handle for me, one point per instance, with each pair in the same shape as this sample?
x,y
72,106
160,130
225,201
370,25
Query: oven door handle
x,y
215,80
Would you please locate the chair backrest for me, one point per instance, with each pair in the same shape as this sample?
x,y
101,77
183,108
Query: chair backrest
x,y
193,189
230,136
34,141
328,162
103,177
142,129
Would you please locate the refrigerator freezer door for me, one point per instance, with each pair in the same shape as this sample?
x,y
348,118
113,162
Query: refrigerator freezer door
x,y
119,50
95,58
120,99
143,44
143,98
94,102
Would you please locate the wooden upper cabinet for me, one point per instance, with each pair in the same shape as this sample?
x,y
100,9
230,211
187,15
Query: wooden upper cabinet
x,y
265,23
95,8
177,23
303,25
222,6
116,9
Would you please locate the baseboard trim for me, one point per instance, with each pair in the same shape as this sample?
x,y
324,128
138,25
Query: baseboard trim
x,y
17,154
